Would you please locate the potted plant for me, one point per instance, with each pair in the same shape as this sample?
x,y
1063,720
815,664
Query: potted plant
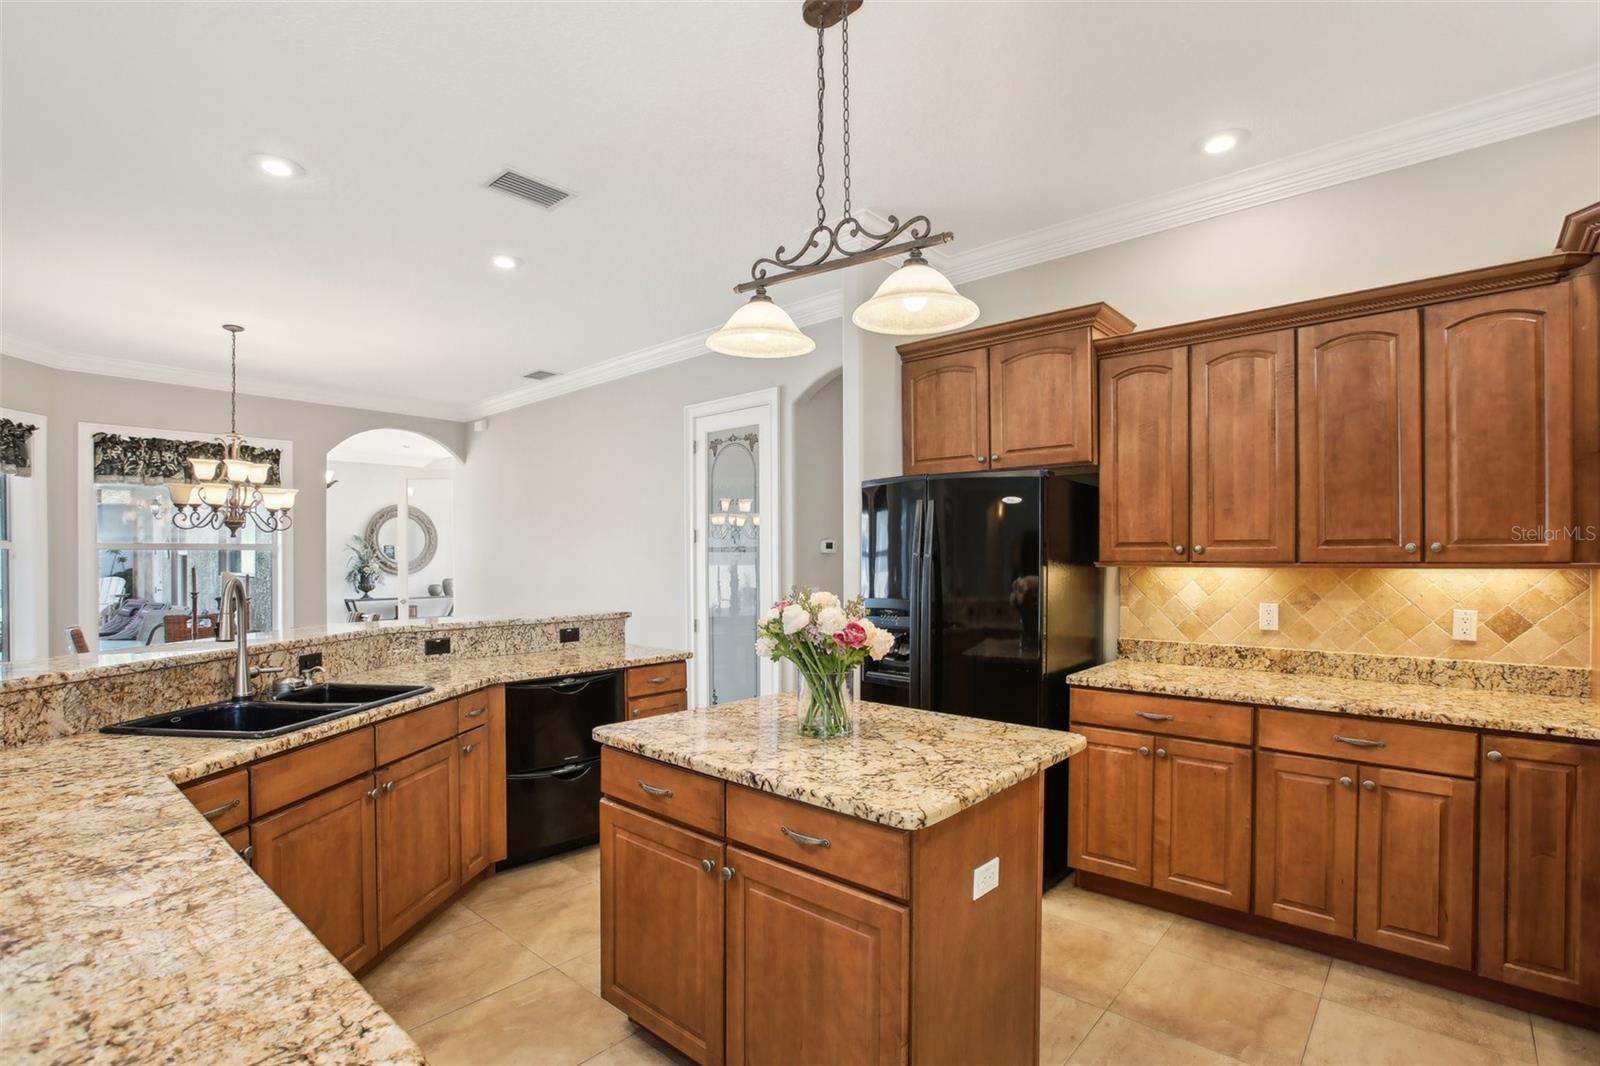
x,y
827,641
362,571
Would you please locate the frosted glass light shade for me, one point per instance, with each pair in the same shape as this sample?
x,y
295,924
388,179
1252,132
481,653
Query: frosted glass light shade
x,y
183,493
915,299
278,499
760,330
214,494
204,469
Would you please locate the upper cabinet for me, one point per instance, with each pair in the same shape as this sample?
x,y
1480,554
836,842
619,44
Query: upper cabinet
x,y
1020,394
1144,457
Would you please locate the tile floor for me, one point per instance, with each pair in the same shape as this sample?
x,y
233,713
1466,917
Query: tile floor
x,y
511,974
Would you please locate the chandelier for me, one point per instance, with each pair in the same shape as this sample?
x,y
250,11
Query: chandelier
x,y
915,299
735,520
230,490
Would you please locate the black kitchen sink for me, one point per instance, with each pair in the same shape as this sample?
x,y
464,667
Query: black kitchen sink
x,y
254,719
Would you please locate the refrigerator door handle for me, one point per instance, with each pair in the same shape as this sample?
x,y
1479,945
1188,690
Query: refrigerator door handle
x,y
924,622
563,773
914,678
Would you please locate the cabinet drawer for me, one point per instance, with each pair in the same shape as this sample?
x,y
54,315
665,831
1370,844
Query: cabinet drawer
x,y
239,841
409,733
1168,715
670,791
473,710
873,856
283,779
656,678
223,799
666,703
1411,747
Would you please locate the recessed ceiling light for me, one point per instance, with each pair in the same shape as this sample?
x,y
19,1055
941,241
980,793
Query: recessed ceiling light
x,y
506,262
276,166
1224,141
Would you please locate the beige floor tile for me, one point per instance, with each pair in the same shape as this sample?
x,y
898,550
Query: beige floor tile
x,y
640,1049
1118,1041
1225,1010
1504,1030
1302,970
1560,1044
1344,1036
1113,915
558,926
585,862
585,969
1063,1023
1087,963
447,966
544,1020
521,886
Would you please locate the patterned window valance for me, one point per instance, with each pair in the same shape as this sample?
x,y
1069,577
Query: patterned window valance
x,y
155,460
14,447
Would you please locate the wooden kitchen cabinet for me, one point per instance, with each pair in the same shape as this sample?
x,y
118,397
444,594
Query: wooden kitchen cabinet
x,y
320,856
816,970
1539,866
418,835
945,413
1359,410
1144,457
1202,821
1041,401
1109,809
477,801
1498,382
661,923
1306,842
1242,449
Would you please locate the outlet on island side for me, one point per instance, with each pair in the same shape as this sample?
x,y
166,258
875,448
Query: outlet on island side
x,y
986,878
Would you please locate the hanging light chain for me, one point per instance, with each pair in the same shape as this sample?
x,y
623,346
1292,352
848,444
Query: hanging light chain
x,y
233,409
822,86
845,80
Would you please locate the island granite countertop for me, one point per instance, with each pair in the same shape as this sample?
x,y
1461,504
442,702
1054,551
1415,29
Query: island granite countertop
x,y
902,767
1555,716
131,930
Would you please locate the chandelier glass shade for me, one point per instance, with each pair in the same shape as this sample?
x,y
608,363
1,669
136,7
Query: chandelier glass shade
x,y
760,330
233,490
915,299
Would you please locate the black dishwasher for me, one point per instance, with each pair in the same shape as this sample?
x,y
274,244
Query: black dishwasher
x,y
553,764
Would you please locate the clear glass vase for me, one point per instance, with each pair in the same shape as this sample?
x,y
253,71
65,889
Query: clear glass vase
x,y
827,703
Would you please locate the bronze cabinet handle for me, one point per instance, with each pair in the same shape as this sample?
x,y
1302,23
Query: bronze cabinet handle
x,y
1359,742
664,793
1144,750
1436,547
1151,716
802,838
659,679
1161,753
372,794
727,873
1370,786
1411,547
1493,756
1346,782
388,786
217,812
1177,549
707,865
467,749
248,852
477,712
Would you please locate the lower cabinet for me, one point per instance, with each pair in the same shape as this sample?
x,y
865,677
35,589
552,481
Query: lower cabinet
x,y
320,857
477,801
419,837
1109,811
1306,842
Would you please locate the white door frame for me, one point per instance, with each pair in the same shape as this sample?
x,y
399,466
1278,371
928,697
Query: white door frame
x,y
762,409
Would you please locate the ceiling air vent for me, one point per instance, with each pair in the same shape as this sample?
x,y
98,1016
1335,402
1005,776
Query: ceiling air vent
x,y
540,375
520,185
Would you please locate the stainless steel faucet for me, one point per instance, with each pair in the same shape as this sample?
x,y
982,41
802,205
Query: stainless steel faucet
x,y
234,625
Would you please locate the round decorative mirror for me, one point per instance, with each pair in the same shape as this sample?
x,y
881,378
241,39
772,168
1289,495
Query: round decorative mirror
x,y
383,534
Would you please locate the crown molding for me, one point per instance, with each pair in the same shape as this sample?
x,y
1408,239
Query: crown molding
x,y
1529,109
823,307
31,351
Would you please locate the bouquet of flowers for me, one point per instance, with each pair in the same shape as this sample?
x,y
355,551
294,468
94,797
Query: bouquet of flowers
x,y
826,640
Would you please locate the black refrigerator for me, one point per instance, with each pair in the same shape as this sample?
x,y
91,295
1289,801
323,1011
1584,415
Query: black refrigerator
x,y
989,585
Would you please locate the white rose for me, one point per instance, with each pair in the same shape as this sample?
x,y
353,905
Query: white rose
x,y
795,618
820,600
764,647
768,615
880,643
830,619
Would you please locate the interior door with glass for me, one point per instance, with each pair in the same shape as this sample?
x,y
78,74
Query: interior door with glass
x,y
733,543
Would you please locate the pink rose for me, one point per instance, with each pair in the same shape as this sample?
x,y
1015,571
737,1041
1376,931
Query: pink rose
x,y
853,635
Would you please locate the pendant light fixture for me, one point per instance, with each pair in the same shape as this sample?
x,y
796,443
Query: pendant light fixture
x,y
915,299
231,490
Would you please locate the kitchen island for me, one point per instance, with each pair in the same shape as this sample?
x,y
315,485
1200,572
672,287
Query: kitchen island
x,y
873,898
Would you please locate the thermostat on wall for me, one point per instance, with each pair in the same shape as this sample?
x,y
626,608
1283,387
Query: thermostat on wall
x,y
829,546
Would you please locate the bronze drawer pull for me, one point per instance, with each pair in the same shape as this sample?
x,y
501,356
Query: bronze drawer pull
x,y
664,793
1358,742
467,749
248,852
217,812
477,712
1151,716
801,838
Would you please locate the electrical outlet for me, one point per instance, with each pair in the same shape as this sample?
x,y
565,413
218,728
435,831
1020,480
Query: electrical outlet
x,y
1464,625
308,661
436,646
1267,618
986,878
829,546
569,634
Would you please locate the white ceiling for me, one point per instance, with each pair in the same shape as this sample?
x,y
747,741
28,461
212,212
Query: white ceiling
x,y
133,226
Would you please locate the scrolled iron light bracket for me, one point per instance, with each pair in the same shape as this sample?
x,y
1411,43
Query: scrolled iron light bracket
x,y
826,242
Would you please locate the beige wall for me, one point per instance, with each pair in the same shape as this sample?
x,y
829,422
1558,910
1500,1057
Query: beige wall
x,y
67,399
1492,205
818,481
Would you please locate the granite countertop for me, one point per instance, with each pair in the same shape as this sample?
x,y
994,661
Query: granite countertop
x,y
131,931
1556,716
902,767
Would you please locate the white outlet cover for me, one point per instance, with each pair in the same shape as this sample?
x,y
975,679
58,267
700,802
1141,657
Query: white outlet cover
x,y
1267,617
1464,625
986,878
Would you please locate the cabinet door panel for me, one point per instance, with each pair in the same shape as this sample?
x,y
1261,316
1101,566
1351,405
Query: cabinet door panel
x,y
661,910
1414,873
419,837
476,801
1359,405
1144,457
1499,383
1041,401
945,413
1241,447
1202,828
1109,805
319,856
1539,869
816,971
1306,842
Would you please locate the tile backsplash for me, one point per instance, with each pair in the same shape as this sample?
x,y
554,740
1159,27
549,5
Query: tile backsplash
x,y
1537,617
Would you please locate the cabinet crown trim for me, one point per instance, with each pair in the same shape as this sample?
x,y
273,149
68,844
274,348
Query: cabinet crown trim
x,y
1101,317
1580,232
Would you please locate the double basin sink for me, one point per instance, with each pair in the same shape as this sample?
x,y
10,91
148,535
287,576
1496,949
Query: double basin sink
x,y
256,719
